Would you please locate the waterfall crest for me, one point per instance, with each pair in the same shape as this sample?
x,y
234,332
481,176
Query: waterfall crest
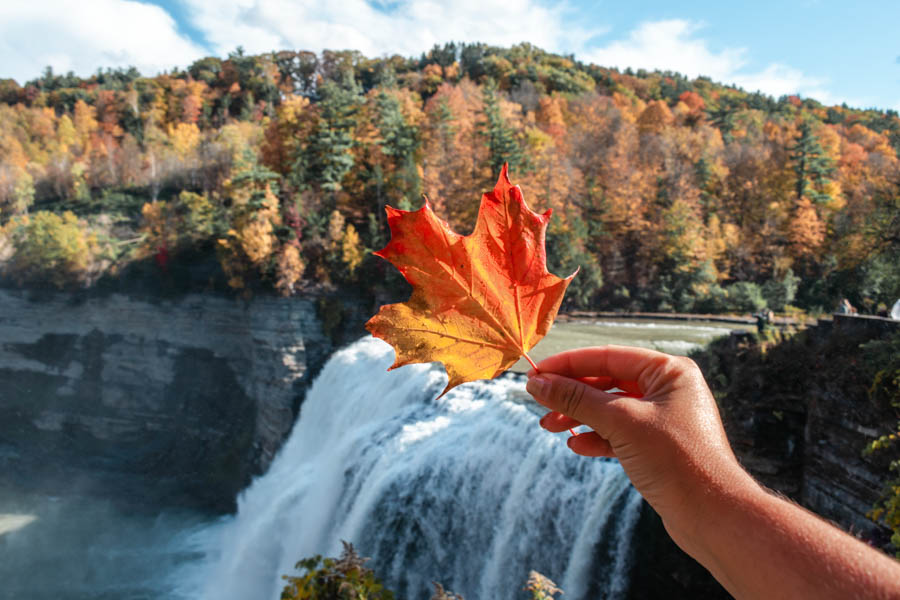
x,y
466,490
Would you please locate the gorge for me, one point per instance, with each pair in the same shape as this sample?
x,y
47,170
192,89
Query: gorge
x,y
162,405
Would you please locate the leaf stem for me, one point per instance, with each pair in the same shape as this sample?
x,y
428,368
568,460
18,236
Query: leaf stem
x,y
536,370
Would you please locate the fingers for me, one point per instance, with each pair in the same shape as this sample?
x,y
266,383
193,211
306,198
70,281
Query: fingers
x,y
556,422
601,411
590,444
630,388
621,363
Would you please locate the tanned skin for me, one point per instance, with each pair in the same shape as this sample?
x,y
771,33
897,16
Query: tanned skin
x,y
665,430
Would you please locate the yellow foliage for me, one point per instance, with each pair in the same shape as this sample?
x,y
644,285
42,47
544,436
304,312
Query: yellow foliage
x,y
156,228
335,229
291,108
289,269
256,240
49,248
251,241
185,138
16,190
352,252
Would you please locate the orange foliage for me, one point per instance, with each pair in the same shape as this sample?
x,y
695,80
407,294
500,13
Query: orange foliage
x,y
479,302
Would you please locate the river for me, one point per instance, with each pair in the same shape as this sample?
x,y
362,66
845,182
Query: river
x,y
466,490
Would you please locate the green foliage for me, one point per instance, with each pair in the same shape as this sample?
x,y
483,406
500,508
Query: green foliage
x,y
813,169
347,578
566,252
883,356
326,159
719,186
781,291
344,578
401,142
744,296
49,248
503,147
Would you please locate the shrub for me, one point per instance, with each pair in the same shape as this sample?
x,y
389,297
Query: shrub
x,y
49,248
779,292
344,578
745,296
884,357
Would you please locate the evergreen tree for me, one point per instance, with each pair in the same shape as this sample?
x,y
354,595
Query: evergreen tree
x,y
503,147
812,167
326,159
400,141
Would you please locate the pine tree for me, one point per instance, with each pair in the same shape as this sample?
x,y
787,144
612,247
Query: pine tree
x,y
501,140
327,159
812,166
401,142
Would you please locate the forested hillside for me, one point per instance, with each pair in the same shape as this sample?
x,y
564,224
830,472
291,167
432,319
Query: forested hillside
x,y
669,193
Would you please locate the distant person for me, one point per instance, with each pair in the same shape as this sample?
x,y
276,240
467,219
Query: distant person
x,y
764,319
845,308
668,437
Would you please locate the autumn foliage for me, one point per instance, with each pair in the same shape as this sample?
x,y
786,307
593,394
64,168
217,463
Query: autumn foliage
x,y
479,302
668,192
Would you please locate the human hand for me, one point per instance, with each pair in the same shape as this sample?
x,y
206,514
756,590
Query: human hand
x,y
664,427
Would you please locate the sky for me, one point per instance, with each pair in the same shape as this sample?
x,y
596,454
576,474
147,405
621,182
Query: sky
x,y
830,50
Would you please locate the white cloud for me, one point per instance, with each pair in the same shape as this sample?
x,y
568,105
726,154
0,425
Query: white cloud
x,y
405,27
668,45
109,33
674,45
85,36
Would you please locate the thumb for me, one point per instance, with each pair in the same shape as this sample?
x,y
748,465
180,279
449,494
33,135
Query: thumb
x,y
603,412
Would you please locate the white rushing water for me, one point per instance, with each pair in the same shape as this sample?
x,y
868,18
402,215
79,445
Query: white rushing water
x,y
466,490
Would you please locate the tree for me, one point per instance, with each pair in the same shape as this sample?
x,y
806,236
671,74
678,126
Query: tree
x,y
503,147
812,167
49,248
326,159
344,578
400,141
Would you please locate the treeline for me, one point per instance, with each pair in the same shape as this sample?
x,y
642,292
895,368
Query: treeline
x,y
669,193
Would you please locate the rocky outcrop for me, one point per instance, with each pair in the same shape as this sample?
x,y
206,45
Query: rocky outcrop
x,y
174,402
799,418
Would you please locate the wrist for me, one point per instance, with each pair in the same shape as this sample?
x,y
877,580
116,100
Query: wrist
x,y
709,515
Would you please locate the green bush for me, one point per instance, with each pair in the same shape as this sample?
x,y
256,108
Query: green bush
x,y
883,356
745,296
714,299
779,292
49,248
344,578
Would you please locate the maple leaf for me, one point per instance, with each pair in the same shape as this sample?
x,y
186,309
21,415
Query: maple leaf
x,y
479,302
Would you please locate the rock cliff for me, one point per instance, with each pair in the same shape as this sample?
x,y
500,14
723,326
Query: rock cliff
x,y
166,402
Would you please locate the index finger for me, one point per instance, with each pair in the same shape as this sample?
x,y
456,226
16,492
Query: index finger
x,y
624,363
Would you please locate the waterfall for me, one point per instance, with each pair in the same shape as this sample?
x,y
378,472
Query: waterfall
x,y
466,490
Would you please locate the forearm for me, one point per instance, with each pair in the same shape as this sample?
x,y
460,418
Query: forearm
x,y
761,546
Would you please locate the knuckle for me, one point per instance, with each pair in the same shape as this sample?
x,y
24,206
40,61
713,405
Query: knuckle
x,y
570,396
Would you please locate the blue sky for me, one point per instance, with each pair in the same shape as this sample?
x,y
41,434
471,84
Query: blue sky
x,y
825,49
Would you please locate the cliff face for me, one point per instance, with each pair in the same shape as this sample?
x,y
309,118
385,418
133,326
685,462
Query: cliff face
x,y
799,418
175,402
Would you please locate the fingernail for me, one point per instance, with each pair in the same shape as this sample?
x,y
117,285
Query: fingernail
x,y
538,386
